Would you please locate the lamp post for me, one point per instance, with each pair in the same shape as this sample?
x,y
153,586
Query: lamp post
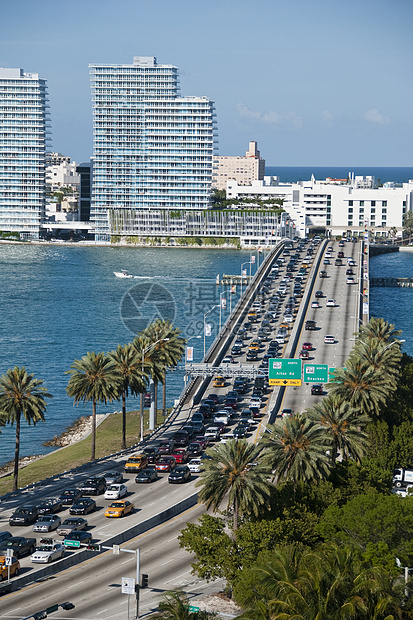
x,y
186,349
205,316
144,351
246,263
220,306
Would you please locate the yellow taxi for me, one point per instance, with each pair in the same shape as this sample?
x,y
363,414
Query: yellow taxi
x,y
4,570
254,346
120,508
136,463
219,382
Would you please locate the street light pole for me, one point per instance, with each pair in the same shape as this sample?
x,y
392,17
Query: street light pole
x,y
205,316
220,306
144,351
246,263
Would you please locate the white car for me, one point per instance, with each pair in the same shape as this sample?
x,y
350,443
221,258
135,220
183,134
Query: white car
x,y
221,417
327,255
331,303
315,304
350,280
48,551
329,339
195,465
47,523
254,402
227,437
116,491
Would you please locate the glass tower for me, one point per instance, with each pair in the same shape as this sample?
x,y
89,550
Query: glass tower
x,y
23,121
152,148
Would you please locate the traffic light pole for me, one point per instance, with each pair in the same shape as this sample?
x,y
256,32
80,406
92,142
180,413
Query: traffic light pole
x,y
138,572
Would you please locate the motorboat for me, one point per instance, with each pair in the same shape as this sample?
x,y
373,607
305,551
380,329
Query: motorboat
x,y
122,274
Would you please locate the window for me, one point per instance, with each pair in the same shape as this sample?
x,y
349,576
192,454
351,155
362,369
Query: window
x,y
350,210
373,203
384,203
350,203
361,203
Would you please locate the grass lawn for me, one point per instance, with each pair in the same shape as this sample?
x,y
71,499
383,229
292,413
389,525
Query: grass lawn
x,y
108,441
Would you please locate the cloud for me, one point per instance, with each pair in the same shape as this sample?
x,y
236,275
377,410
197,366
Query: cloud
x,y
374,116
271,117
327,116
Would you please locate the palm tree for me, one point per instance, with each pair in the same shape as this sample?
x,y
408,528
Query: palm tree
x,y
344,427
21,395
378,355
362,386
378,329
170,351
234,471
151,365
296,449
300,584
129,367
94,378
175,606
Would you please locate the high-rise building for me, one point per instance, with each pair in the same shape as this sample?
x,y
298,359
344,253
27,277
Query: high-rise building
x,y
152,147
23,122
243,170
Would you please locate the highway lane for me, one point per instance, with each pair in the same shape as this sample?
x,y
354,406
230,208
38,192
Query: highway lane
x,y
94,586
338,321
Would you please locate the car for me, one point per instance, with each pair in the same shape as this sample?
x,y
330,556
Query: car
x,y
115,491
166,446
195,465
180,455
303,354
221,417
319,294
194,449
315,304
210,403
118,509
286,413
317,389
331,303
93,486
202,440
323,273
25,515
197,418
213,433
165,463
329,339
349,272
147,475
83,506
20,545
70,524
181,438
214,398
136,462
254,346
307,346
4,536
12,569
179,475
326,261
251,356
288,318
328,254
112,477
70,496
310,325
240,432
50,506
350,280
47,551
255,401
340,254
205,409
236,349
47,523
219,382
152,452
77,538
232,402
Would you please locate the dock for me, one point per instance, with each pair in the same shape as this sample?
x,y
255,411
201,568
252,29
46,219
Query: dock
x,y
392,282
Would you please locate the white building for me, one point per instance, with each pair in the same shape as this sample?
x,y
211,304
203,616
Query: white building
x,y
335,207
23,122
60,171
152,147
243,170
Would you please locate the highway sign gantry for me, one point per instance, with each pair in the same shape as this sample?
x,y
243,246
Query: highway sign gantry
x,y
315,373
285,372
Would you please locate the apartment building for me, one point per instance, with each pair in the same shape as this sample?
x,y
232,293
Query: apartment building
x,y
243,170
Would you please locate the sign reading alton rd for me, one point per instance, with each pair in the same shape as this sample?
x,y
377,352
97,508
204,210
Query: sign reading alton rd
x,y
284,372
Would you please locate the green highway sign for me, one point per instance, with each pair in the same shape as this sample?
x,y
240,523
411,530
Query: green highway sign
x,y
284,372
72,543
192,608
315,373
331,372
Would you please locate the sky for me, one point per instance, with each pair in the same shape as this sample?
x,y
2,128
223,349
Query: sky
x,y
320,82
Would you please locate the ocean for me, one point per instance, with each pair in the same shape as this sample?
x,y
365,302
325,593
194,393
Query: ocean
x,y
290,174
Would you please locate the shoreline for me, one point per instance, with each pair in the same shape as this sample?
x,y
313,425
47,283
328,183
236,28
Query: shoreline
x,y
77,431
